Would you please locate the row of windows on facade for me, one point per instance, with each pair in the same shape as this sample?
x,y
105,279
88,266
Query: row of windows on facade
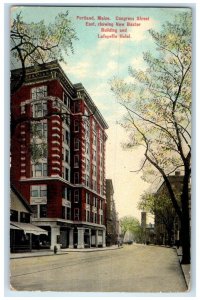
x,y
40,191
17,216
40,109
40,211
40,92
40,170
43,134
39,130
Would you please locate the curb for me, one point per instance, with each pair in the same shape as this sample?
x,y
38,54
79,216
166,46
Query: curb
x,y
184,272
63,253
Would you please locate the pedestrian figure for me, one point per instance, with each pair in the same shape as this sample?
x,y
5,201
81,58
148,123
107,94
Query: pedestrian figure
x,y
55,249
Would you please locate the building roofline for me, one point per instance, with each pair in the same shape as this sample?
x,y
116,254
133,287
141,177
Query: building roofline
x,y
180,177
21,198
90,102
53,65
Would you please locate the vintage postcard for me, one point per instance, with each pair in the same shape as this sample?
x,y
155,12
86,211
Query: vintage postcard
x,y
100,180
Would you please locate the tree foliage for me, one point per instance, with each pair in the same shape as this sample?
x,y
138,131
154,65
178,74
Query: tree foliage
x,y
129,223
161,207
158,109
37,43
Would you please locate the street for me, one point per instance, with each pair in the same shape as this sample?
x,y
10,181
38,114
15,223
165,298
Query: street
x,y
133,268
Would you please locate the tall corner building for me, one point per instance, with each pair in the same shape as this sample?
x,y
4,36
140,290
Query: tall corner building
x,y
58,157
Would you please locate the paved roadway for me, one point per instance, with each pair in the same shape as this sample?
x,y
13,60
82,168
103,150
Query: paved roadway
x,y
135,268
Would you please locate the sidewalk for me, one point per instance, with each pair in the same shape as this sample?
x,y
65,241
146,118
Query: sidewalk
x,y
186,269
46,252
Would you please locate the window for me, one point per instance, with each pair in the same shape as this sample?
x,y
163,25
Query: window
x,y
87,216
39,211
24,217
67,174
40,109
94,201
76,196
66,100
67,156
87,198
100,204
76,214
43,211
39,170
38,191
13,215
76,177
66,213
76,125
39,92
87,180
95,217
76,107
66,193
67,137
35,211
76,161
94,185
76,144
38,150
39,130
101,219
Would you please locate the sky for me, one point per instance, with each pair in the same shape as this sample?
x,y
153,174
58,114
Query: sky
x,y
95,61
124,205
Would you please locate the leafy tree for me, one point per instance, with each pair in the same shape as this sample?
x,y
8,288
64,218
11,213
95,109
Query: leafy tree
x,y
161,207
158,113
37,43
129,223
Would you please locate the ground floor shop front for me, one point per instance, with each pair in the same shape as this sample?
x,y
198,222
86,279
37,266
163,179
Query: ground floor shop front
x,y
69,235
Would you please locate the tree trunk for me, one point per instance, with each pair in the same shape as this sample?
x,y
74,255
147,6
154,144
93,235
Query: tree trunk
x,y
185,222
185,241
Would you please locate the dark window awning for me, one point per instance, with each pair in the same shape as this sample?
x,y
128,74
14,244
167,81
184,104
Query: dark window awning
x,y
28,228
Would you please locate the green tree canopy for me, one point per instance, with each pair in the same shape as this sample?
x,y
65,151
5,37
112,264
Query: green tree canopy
x,y
129,223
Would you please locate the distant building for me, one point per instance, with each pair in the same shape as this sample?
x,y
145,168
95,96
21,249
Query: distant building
x,y
167,225
148,234
112,221
58,156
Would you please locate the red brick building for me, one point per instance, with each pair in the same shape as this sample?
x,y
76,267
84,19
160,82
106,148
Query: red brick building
x,y
58,156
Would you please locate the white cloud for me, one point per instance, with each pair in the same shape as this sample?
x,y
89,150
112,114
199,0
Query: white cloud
x,y
109,69
81,69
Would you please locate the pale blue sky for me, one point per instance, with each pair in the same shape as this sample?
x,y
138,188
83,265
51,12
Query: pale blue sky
x,y
93,63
